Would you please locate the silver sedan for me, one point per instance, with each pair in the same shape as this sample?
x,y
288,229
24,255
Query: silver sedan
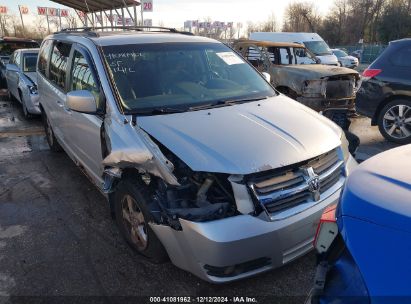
x,y
22,80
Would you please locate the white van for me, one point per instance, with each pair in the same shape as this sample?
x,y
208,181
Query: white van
x,y
312,41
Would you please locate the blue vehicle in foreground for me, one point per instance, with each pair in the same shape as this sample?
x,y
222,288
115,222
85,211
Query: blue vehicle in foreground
x,y
364,243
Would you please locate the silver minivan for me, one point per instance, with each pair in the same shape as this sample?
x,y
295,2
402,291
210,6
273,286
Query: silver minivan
x,y
200,159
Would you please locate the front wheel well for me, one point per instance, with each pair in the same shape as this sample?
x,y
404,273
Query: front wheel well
x,y
374,119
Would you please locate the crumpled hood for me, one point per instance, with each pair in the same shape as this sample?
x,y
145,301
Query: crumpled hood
x,y
317,71
379,190
294,76
244,138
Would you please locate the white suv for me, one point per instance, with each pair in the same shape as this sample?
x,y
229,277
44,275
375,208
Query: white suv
x,y
201,159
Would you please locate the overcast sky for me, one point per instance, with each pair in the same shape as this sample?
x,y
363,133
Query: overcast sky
x,y
174,13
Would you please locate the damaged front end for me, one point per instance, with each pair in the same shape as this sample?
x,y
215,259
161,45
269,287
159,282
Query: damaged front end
x,y
173,189
333,96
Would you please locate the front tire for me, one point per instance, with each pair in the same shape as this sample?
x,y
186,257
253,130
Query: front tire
x,y
133,218
394,121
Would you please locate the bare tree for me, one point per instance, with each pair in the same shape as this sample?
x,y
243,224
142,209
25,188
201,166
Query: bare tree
x,y
301,17
71,20
269,25
4,21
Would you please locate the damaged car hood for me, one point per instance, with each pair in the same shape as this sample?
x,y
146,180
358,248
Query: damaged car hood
x,y
314,71
244,138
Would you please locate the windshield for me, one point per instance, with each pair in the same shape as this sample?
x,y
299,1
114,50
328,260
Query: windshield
x,y
7,48
180,76
319,48
29,62
340,53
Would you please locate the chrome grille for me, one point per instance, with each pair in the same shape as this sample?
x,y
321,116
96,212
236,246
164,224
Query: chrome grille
x,y
295,186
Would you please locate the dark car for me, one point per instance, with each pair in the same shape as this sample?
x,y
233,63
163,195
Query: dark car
x,y
7,46
364,243
385,94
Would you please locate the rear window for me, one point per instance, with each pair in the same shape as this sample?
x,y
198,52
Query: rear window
x,y
58,64
29,62
8,47
402,57
44,56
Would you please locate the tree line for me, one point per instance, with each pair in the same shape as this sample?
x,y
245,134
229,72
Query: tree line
x,y
348,21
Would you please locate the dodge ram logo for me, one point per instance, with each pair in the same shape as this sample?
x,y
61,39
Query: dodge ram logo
x,y
313,182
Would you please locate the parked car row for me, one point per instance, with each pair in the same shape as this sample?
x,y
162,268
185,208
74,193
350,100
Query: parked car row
x,y
203,162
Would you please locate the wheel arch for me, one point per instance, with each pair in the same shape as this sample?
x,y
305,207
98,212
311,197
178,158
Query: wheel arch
x,y
374,119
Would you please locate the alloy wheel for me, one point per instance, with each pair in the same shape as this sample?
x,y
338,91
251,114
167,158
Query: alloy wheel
x,y
397,121
134,222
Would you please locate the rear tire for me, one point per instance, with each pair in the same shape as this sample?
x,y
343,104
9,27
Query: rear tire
x,y
51,138
394,121
133,218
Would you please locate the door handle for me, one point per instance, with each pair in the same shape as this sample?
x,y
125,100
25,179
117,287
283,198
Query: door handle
x,y
60,104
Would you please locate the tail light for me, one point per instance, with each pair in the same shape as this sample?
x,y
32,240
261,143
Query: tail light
x,y
370,73
327,230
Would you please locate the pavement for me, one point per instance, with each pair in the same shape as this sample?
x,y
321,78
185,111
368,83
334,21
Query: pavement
x,y
59,244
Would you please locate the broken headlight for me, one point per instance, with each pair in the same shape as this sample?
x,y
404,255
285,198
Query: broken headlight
x,y
33,89
200,197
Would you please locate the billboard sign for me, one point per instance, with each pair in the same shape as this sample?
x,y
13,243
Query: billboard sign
x,y
24,10
64,12
147,5
3,10
42,11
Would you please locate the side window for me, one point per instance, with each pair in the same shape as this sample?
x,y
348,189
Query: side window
x,y
44,56
284,55
82,78
402,57
58,64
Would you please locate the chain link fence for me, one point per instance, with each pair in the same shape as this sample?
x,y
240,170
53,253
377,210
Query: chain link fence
x,y
366,53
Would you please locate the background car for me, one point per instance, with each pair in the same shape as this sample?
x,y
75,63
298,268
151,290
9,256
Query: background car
x,y
295,72
7,46
364,243
345,60
357,54
385,93
21,79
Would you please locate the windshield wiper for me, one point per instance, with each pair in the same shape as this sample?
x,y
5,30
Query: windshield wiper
x,y
158,111
223,103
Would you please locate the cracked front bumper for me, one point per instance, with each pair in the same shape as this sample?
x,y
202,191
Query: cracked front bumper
x,y
240,239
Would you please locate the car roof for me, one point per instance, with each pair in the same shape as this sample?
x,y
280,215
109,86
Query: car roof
x,y
16,39
405,40
269,43
120,38
130,36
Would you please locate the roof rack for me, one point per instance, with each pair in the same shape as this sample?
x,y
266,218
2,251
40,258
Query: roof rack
x,y
92,30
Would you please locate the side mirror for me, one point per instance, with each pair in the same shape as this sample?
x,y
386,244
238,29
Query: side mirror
x,y
81,101
12,67
266,76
